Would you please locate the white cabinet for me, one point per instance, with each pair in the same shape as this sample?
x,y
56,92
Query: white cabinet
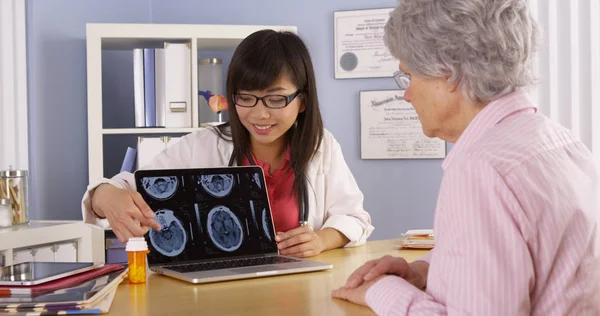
x,y
108,36
43,253
22,255
59,241
57,252
66,252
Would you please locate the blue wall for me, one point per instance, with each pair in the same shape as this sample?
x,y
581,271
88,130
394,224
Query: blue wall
x,y
399,194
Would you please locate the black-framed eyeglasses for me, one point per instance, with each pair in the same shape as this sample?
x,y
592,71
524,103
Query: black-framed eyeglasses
x,y
402,79
272,101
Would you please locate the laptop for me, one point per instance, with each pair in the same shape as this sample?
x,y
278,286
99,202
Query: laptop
x,y
216,225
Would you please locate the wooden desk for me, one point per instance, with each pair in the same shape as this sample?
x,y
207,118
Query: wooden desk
x,y
296,294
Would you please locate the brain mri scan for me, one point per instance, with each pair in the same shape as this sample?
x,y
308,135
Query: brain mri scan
x,y
217,185
224,229
170,240
266,224
160,188
256,179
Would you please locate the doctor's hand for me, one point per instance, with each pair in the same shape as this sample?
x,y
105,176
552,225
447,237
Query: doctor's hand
x,y
122,208
299,242
415,273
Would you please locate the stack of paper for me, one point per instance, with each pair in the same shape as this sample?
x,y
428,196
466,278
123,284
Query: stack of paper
x,y
418,239
101,307
59,284
91,296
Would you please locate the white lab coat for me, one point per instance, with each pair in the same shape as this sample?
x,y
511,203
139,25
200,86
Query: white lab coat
x,y
334,197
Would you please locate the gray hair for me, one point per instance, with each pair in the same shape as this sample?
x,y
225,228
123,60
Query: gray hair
x,y
486,46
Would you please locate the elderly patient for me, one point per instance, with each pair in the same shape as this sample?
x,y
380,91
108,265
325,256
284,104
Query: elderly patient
x,y
518,209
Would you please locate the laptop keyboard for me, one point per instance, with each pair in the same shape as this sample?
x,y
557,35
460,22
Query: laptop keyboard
x,y
228,264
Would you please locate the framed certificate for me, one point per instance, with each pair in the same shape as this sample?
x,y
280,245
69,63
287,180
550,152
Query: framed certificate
x,y
390,129
359,48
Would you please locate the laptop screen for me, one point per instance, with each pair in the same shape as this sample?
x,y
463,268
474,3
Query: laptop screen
x,y
207,213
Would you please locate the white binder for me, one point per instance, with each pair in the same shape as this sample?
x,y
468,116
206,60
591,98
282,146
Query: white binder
x,y
171,140
159,86
173,85
138,87
149,147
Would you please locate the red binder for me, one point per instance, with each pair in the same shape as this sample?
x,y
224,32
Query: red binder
x,y
65,282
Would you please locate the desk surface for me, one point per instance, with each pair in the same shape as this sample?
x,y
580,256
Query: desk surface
x,y
296,294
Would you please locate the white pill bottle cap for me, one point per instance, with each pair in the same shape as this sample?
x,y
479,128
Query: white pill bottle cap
x,y
136,244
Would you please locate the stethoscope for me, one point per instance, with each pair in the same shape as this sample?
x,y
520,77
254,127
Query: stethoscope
x,y
303,216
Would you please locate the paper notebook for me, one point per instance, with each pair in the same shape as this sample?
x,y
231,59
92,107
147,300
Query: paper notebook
x,y
60,283
418,239
83,295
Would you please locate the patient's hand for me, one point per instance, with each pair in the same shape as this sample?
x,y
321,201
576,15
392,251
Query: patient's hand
x,y
356,295
415,273
121,208
302,241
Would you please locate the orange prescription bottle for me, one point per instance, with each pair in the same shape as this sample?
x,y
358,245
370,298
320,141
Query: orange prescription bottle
x,y
137,248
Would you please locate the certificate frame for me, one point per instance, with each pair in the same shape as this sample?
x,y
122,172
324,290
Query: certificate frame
x,y
390,128
359,50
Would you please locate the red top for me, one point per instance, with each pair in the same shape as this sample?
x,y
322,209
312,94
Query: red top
x,y
283,202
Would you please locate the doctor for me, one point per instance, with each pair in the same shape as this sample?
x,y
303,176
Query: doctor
x,y
274,123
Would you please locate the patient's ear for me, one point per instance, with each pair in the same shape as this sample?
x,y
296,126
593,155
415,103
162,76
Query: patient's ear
x,y
452,86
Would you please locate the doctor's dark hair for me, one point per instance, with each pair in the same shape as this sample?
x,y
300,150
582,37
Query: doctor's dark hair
x,y
259,62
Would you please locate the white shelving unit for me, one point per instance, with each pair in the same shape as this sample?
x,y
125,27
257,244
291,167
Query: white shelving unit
x,y
124,131
100,36
60,241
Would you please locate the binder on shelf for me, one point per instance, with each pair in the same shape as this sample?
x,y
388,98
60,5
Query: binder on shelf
x,y
170,141
138,87
129,160
159,83
173,84
149,87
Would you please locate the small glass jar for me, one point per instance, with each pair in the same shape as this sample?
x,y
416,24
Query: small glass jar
x,y
137,249
14,186
5,213
210,79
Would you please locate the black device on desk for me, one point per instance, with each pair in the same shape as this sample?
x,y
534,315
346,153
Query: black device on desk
x,y
216,225
33,273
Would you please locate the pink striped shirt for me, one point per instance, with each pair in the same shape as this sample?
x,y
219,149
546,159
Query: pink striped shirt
x,y
516,223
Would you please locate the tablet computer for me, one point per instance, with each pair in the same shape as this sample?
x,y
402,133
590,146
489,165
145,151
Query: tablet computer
x,y
33,273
